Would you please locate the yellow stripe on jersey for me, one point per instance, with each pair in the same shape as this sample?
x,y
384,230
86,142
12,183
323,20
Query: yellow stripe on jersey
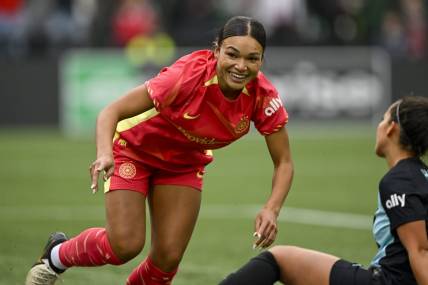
x,y
129,123
209,152
107,185
245,91
214,80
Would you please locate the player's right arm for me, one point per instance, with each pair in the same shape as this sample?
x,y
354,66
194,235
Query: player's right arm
x,y
414,238
133,103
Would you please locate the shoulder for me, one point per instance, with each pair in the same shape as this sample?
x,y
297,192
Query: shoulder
x,y
188,69
396,177
197,58
196,66
175,84
262,85
409,175
265,94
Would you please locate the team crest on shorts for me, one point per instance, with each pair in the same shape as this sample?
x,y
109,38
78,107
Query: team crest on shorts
x,y
127,170
242,125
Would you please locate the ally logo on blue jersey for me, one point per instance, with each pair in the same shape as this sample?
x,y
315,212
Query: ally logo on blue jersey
x,y
396,200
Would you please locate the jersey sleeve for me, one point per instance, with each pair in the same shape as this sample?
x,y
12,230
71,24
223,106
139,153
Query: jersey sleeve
x,y
270,114
401,202
174,84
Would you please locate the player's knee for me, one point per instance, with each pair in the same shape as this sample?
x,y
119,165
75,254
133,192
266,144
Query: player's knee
x,y
286,256
280,251
127,248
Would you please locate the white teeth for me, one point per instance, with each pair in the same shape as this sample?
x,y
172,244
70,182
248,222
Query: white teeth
x,y
238,76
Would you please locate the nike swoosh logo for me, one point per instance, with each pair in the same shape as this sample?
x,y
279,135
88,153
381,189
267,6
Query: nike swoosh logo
x,y
190,117
199,174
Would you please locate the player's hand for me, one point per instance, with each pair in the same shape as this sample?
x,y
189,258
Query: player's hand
x,y
102,163
266,228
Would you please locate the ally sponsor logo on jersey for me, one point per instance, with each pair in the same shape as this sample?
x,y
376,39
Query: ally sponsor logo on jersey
x,y
396,200
273,106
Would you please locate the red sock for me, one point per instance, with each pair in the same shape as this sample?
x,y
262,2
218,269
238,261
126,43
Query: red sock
x,y
148,274
90,248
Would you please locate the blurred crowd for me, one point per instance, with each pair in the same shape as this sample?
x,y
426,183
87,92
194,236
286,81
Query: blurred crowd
x,y
43,27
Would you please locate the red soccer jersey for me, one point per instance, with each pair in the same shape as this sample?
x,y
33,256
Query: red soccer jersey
x,y
192,116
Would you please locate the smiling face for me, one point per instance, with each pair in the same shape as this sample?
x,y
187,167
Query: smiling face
x,y
239,59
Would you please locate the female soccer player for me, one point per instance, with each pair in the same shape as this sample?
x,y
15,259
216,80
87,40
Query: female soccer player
x,y
154,143
399,228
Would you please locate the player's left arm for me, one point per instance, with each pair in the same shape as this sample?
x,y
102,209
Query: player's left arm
x,y
266,221
413,235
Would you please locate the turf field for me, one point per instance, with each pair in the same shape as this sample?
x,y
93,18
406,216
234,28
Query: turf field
x,y
44,186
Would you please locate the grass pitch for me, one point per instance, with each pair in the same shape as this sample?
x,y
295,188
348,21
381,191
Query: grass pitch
x,y
44,186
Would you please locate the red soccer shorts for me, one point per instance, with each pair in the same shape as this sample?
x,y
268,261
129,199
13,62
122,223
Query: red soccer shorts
x,y
136,176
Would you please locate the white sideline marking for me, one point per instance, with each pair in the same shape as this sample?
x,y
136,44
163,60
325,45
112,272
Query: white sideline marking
x,y
288,214
293,215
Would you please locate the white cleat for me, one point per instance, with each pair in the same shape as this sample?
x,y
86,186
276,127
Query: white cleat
x,y
41,274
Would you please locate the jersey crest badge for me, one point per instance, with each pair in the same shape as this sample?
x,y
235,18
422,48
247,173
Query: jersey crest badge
x,y
242,125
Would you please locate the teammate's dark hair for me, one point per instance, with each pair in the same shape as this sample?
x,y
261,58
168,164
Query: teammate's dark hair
x,y
242,26
411,113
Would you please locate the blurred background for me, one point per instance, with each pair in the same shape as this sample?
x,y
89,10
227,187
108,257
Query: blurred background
x,y
337,64
329,54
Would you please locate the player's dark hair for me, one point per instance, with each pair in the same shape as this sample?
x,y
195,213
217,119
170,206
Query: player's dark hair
x,y
242,26
411,113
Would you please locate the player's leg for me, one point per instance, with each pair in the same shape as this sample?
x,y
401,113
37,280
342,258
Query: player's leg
x,y
291,265
126,223
260,270
121,240
299,266
174,211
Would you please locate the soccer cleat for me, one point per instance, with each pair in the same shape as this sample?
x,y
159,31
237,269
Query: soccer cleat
x,y
43,272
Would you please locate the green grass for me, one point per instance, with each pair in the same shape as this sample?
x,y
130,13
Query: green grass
x,y
335,170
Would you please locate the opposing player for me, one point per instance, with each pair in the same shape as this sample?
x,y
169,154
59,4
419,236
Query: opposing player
x,y
154,143
400,224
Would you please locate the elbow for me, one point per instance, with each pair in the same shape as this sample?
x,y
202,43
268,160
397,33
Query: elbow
x,y
104,112
419,253
422,248
107,112
423,251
